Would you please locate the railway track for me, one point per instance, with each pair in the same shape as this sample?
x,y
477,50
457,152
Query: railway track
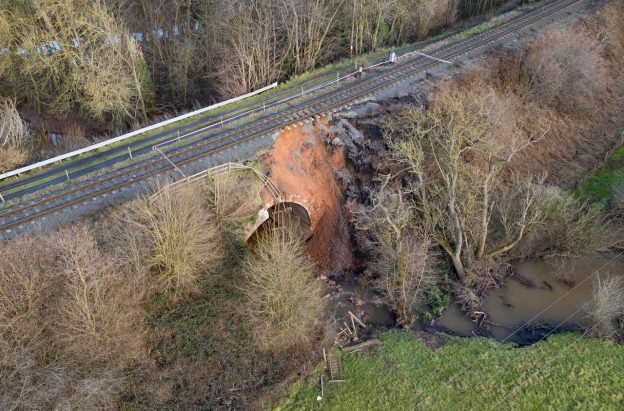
x,y
217,141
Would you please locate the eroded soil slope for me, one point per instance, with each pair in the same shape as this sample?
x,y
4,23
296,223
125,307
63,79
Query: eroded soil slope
x,y
311,171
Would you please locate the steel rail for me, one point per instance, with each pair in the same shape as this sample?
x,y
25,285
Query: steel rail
x,y
55,176
385,75
60,178
361,89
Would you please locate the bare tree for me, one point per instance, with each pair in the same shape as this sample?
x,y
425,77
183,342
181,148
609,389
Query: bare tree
x,y
284,303
71,53
400,253
181,237
252,49
98,315
309,25
70,323
454,161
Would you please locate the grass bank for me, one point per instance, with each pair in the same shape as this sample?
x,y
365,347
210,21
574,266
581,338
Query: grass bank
x,y
605,187
566,371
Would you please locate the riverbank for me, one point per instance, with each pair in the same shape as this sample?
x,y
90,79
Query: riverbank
x,y
566,371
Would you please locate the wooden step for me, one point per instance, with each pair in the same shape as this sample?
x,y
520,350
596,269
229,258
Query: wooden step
x,y
335,368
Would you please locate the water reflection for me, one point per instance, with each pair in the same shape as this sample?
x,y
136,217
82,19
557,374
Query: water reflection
x,y
540,296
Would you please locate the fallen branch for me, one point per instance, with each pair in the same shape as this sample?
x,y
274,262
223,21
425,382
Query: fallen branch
x,y
366,344
357,320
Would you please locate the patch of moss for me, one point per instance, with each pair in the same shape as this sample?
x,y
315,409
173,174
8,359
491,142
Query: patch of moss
x,y
605,184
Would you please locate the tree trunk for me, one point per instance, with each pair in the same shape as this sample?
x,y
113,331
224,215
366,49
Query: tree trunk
x,y
458,264
485,211
456,256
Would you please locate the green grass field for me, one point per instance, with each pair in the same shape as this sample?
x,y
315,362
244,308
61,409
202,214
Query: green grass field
x,y
564,372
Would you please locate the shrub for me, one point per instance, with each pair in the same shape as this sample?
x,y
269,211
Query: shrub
x,y
12,157
12,127
284,299
618,198
436,300
571,228
98,315
70,323
182,239
25,289
233,198
72,138
605,307
12,136
566,70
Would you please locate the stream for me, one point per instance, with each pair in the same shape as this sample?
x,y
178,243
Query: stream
x,y
540,297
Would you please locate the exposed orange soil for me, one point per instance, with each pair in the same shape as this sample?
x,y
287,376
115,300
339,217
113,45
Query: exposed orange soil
x,y
303,166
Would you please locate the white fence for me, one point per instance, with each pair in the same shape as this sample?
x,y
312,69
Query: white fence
x,y
132,134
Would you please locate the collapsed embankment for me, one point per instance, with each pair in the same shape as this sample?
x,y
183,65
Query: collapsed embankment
x,y
312,172
530,117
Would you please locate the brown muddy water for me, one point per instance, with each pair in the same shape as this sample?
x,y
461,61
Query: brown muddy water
x,y
363,303
540,298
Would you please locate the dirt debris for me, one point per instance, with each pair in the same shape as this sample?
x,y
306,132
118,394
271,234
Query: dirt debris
x,y
310,170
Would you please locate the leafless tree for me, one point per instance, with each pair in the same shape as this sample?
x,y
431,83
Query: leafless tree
x,y
252,48
71,322
454,162
69,53
284,303
180,235
309,26
401,256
